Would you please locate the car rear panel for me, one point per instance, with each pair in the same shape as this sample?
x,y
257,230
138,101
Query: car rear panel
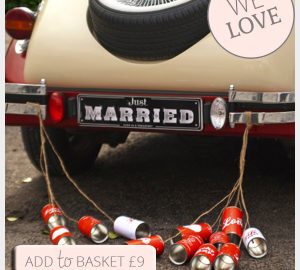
x,y
63,51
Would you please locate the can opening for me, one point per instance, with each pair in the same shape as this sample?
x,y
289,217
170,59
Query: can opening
x,y
234,238
178,254
99,234
224,262
218,245
56,221
201,263
257,248
66,240
142,231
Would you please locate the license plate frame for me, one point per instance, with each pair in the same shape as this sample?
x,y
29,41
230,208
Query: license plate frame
x,y
194,104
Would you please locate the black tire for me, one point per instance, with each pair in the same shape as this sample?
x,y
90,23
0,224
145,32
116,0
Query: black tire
x,y
78,151
154,35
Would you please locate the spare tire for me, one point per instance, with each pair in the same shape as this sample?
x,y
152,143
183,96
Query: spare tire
x,y
148,29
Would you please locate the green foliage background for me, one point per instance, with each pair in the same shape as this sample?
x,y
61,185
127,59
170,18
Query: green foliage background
x,y
32,4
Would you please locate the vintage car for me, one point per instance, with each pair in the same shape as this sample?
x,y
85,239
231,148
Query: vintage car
x,y
102,68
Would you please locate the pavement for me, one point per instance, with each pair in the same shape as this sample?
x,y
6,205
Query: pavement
x,y
166,180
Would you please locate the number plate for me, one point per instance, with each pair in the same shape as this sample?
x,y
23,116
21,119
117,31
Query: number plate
x,y
140,112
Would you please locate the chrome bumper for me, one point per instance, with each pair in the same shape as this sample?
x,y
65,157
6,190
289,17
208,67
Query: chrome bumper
x,y
18,95
268,98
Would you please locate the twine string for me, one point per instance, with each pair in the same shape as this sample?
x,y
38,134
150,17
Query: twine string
x,y
71,179
44,161
45,136
242,166
45,172
240,201
237,189
229,199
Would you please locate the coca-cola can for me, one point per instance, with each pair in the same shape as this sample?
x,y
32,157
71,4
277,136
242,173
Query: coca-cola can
x,y
155,241
52,216
185,249
93,228
228,257
204,257
255,243
131,228
203,229
232,223
218,239
61,236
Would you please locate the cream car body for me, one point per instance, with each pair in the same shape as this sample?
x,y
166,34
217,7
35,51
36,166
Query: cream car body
x,y
63,51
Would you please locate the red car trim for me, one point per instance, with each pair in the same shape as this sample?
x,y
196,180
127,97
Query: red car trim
x,y
14,65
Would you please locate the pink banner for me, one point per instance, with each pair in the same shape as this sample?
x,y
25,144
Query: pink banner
x,y
90,257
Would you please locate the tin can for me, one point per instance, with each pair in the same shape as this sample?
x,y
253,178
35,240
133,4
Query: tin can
x,y
232,223
61,236
155,241
228,257
218,239
255,243
203,229
204,257
93,228
131,228
52,216
185,249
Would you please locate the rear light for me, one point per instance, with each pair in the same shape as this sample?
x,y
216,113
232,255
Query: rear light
x,y
19,22
56,107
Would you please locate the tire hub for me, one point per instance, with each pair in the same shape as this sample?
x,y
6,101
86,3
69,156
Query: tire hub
x,y
145,3
141,5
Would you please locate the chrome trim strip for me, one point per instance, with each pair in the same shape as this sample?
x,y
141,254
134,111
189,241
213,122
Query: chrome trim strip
x,y
24,109
261,97
261,118
21,46
26,89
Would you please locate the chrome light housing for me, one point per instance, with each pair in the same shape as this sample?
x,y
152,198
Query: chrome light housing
x,y
218,113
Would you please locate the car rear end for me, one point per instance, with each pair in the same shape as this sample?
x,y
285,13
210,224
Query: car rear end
x,y
81,87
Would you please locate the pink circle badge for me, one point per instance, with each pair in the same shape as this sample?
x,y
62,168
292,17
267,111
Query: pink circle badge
x,y
251,28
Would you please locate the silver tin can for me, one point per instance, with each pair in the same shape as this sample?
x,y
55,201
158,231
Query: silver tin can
x,y
131,228
255,243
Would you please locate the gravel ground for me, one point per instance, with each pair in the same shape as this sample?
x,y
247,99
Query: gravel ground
x,y
165,180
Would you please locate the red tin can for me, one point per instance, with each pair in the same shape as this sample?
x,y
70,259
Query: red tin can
x,y
61,236
204,257
185,249
203,229
218,239
52,216
155,241
93,228
232,223
228,257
